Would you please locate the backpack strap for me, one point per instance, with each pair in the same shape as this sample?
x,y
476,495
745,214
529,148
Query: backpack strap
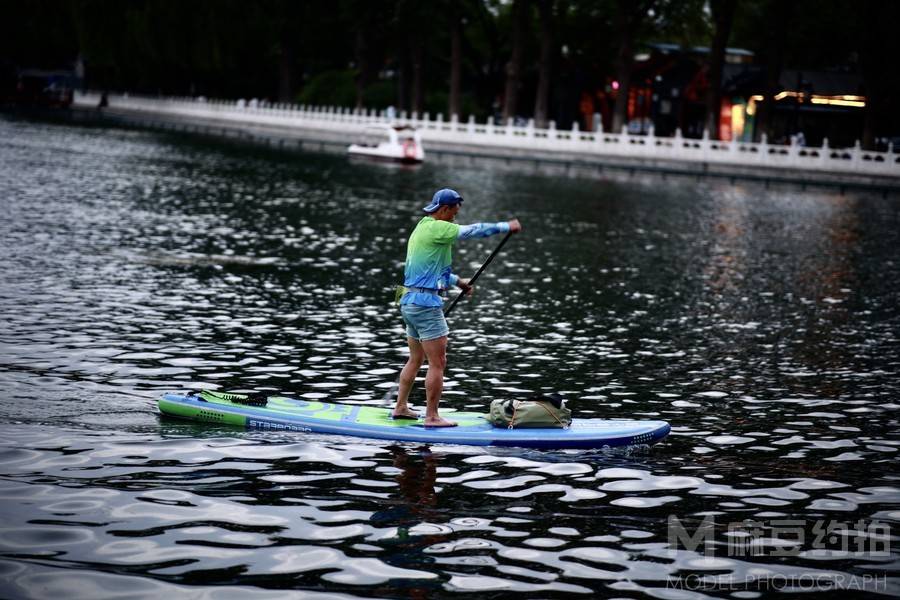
x,y
539,402
553,414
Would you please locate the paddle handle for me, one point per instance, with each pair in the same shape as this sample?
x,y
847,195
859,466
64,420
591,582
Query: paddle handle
x,y
479,272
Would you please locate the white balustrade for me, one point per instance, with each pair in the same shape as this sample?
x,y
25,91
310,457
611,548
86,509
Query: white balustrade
x,y
518,138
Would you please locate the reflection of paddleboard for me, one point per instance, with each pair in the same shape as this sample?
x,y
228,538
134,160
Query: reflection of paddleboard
x,y
285,414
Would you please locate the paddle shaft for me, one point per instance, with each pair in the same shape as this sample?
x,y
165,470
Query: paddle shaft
x,y
479,272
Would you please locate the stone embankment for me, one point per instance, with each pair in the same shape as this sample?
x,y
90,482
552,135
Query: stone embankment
x,y
571,151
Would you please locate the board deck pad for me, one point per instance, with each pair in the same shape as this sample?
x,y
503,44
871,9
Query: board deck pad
x,y
286,414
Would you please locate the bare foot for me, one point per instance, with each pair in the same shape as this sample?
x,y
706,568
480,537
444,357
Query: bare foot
x,y
406,414
439,422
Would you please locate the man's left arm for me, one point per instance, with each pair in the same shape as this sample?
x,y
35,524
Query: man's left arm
x,y
482,230
477,230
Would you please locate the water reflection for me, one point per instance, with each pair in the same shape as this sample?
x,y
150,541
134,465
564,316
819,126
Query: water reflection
x,y
416,498
296,513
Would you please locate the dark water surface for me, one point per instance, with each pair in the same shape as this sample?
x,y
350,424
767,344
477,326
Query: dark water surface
x,y
763,324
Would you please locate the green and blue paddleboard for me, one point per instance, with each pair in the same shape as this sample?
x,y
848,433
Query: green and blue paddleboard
x,y
276,413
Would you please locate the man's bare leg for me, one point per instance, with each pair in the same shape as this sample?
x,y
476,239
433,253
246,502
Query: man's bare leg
x,y
436,353
407,378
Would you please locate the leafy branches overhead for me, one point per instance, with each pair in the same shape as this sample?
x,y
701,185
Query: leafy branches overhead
x,y
513,58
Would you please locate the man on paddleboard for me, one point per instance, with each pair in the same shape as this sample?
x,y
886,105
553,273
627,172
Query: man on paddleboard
x,y
427,274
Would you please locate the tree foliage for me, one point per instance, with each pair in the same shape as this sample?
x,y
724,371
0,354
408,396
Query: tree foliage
x,y
356,52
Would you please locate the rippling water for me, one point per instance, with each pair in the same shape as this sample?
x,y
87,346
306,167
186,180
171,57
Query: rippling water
x,y
763,324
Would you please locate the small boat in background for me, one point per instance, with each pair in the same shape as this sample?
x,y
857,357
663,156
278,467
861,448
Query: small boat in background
x,y
400,143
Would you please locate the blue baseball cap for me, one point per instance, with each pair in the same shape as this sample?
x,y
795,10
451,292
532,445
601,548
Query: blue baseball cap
x,y
444,197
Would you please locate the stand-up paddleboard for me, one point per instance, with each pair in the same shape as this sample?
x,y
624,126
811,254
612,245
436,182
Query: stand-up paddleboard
x,y
284,414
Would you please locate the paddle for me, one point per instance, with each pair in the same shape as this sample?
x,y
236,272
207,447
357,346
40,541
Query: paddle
x,y
479,272
393,389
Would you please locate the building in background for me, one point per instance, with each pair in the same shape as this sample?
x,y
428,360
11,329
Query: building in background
x,y
40,88
669,86
809,105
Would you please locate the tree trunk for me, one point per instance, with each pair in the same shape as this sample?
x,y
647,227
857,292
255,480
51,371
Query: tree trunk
x,y
286,67
453,102
781,13
290,16
871,116
875,63
418,82
723,15
454,106
514,66
403,77
627,19
362,53
623,77
545,66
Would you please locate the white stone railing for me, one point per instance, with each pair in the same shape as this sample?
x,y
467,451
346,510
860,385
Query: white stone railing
x,y
519,140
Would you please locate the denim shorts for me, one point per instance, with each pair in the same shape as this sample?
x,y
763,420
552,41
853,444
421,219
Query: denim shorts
x,y
424,323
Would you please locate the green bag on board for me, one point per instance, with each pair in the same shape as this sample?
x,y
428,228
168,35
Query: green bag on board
x,y
547,410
